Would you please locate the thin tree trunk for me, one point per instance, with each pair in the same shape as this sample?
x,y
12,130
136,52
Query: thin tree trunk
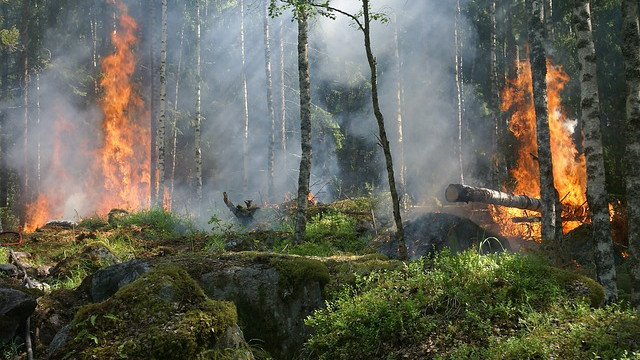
x,y
174,134
631,54
305,128
197,140
25,83
494,99
548,193
596,190
283,107
548,18
38,137
272,118
399,92
153,104
163,105
94,47
382,133
456,35
245,107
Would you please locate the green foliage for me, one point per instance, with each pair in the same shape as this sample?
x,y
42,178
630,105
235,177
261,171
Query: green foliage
x,y
463,306
9,37
93,223
158,223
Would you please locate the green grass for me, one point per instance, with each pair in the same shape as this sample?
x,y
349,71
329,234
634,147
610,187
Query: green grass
x,y
471,306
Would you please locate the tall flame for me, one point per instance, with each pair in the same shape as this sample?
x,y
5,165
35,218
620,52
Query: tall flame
x,y
125,154
569,170
119,174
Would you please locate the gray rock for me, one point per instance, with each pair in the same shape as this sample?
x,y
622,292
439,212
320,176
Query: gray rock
x,y
59,339
8,269
432,232
15,308
106,282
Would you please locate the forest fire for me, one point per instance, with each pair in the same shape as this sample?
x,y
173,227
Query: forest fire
x,y
568,165
126,152
119,170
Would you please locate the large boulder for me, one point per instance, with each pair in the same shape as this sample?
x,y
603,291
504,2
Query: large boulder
x,y
16,307
432,232
164,314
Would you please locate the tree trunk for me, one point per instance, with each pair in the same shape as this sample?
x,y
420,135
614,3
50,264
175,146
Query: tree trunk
x,y
399,93
402,248
494,99
283,107
465,193
197,140
631,54
245,107
596,190
153,105
548,193
163,105
458,79
305,128
548,18
24,83
272,117
174,133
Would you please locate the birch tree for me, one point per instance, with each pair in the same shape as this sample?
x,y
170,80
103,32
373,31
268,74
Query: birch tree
x,y
631,54
537,56
245,106
198,119
163,104
458,80
596,190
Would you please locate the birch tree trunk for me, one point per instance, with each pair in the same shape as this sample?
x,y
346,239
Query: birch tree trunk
x,y
398,98
456,35
245,107
153,168
163,105
402,248
197,140
272,117
631,54
494,99
283,106
548,193
174,132
305,128
596,190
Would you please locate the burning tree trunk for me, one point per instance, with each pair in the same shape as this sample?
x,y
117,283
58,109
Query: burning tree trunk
x,y
551,232
596,190
465,193
631,53
272,119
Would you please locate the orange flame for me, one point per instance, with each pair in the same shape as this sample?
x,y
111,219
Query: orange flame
x,y
119,175
569,167
126,152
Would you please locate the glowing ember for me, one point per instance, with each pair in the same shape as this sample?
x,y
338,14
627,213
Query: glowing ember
x,y
118,176
569,168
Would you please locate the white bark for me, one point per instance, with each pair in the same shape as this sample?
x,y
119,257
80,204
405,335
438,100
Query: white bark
x,y
596,190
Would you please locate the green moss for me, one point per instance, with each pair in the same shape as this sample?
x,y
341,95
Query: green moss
x,y
162,315
578,285
295,272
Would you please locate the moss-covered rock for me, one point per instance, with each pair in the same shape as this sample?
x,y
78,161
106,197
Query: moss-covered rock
x,y
162,315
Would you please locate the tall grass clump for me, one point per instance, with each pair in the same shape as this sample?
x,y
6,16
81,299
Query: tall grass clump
x,y
470,306
158,222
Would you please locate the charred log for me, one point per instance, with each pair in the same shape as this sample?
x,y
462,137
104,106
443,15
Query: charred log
x,y
241,212
465,193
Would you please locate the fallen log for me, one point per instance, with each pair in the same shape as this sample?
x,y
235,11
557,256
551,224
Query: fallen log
x,y
465,193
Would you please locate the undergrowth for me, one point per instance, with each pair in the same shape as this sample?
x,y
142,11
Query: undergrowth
x,y
471,306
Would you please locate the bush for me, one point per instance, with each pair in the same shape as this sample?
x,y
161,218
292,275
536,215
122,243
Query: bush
x,y
468,306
